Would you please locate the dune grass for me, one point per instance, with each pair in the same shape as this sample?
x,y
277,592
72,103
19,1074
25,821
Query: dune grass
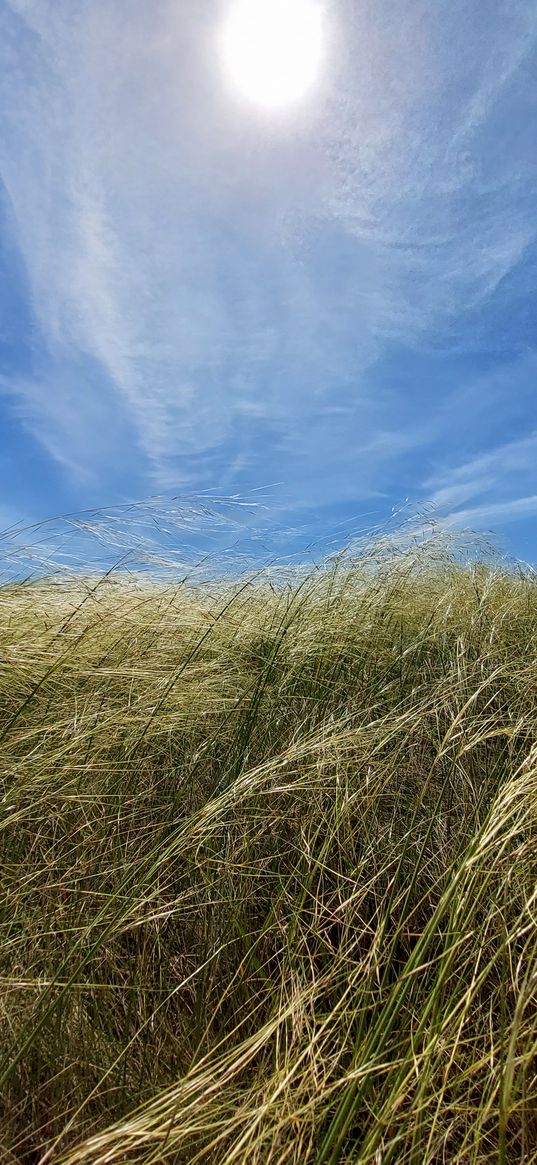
x,y
269,854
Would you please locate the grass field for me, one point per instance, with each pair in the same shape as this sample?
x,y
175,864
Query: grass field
x,y
269,865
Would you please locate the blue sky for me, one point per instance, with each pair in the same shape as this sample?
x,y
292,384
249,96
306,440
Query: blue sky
x,y
332,305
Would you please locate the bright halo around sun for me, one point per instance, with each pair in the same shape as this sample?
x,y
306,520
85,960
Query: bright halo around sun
x,y
272,49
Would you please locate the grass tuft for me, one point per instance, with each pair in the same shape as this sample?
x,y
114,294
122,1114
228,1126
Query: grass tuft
x,y
269,858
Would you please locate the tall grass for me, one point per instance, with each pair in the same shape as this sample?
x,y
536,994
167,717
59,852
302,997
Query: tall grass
x,y
269,867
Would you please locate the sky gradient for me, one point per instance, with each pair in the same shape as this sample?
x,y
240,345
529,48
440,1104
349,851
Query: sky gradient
x,y
331,305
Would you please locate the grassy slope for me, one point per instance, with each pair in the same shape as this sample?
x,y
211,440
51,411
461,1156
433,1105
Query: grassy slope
x,y
269,864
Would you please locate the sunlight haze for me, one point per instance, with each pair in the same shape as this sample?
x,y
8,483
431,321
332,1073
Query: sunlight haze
x,y
279,249
272,49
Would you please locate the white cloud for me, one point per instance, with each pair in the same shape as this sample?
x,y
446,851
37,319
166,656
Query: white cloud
x,y
454,495
169,235
508,511
482,472
415,176
494,480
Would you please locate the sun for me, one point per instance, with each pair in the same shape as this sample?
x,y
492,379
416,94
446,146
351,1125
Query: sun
x,y
272,49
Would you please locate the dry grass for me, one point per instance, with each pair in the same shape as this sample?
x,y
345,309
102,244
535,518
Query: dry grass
x,y
269,867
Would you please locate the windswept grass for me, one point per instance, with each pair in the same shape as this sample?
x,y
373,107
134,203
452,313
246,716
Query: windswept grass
x,y
269,867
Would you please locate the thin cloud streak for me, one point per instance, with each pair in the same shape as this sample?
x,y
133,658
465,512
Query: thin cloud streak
x,y
460,482
525,507
501,471
200,273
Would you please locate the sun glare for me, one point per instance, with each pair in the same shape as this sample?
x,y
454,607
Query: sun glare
x,y
272,49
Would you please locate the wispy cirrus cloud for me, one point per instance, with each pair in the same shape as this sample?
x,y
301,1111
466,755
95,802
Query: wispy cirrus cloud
x,y
494,481
213,290
492,512
431,148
